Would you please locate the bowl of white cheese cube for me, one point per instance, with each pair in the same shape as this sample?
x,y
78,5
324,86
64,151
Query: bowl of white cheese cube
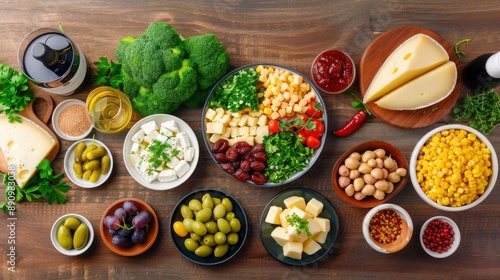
x,y
161,151
299,226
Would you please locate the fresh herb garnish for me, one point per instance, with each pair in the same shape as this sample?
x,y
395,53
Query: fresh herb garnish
x,y
299,224
457,51
44,185
158,154
481,109
238,92
285,156
357,102
108,73
14,94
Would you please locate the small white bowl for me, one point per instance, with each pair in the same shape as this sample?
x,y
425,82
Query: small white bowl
x,y
69,159
72,251
454,245
57,113
401,241
413,164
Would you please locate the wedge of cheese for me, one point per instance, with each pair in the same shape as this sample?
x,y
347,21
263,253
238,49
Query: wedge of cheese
x,y
414,57
24,146
424,91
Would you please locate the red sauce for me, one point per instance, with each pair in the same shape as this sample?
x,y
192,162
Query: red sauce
x,y
333,71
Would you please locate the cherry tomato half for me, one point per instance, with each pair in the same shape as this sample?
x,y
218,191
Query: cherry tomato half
x,y
300,120
274,126
315,128
314,109
313,142
302,135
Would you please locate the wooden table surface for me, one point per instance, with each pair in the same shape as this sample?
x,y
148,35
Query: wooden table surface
x,y
291,33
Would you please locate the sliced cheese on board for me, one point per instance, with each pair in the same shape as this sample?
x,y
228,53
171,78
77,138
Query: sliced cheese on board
x,y
415,56
424,91
24,146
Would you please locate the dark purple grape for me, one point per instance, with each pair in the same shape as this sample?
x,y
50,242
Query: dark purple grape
x,y
111,222
126,231
139,235
112,232
121,241
142,219
120,214
131,207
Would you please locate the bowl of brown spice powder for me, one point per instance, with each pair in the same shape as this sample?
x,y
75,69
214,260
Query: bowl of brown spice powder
x,y
71,121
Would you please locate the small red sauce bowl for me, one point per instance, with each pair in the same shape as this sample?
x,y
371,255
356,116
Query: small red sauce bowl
x,y
333,71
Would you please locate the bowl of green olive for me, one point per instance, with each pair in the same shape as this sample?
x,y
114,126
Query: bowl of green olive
x,y
208,227
72,234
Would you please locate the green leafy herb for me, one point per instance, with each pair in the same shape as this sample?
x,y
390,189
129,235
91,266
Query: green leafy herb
x,y
108,73
285,156
299,224
158,154
44,185
457,51
14,94
481,109
358,103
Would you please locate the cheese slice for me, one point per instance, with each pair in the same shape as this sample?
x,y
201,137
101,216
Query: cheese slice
x,y
24,146
414,57
423,91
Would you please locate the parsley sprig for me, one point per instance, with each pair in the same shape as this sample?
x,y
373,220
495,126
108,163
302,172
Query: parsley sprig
x,y
357,102
481,109
299,224
44,185
458,52
14,94
108,73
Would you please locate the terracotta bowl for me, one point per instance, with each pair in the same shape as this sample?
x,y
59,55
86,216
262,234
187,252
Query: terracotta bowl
x,y
370,201
135,249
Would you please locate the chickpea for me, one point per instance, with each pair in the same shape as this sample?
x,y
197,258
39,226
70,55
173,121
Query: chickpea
x,y
349,190
354,174
369,179
358,183
401,172
355,156
379,153
359,196
390,164
393,177
390,187
380,162
372,163
368,189
364,168
351,163
381,185
379,194
377,173
367,155
344,170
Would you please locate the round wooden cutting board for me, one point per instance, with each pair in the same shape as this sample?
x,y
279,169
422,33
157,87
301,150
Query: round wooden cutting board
x,y
373,58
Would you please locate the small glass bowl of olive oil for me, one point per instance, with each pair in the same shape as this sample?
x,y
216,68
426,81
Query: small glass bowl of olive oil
x,y
110,109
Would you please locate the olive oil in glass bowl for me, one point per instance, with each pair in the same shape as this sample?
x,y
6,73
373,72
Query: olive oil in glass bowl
x,y
110,110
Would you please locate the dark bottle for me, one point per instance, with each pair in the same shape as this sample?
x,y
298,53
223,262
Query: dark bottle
x,y
482,72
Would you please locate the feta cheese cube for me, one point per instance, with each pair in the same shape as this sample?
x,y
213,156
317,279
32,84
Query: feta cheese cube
x,y
149,126
166,132
183,139
181,168
167,175
150,176
171,125
151,136
189,154
138,137
144,166
162,138
135,149
173,162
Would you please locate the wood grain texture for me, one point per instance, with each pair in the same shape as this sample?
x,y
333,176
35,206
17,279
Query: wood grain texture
x,y
287,32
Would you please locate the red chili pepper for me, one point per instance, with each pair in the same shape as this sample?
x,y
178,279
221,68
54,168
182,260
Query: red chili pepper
x,y
352,125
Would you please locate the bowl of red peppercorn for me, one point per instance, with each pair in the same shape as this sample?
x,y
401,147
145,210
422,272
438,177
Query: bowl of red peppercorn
x,y
440,237
387,228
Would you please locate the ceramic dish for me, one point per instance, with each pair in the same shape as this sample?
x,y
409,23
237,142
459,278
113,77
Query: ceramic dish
x,y
69,159
57,113
211,138
373,58
276,250
492,178
239,213
456,237
157,185
401,241
369,201
72,251
135,249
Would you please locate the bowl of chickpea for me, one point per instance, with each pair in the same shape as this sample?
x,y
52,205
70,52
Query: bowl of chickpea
x,y
453,167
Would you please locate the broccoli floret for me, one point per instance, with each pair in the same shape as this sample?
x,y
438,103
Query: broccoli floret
x,y
176,86
148,103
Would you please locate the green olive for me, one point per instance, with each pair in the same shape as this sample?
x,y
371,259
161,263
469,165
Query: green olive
x,y
81,236
204,215
227,202
221,250
194,204
186,212
223,226
188,224
203,251
229,216
219,211
232,238
195,237
71,223
64,237
209,240
191,245
212,227
199,228
207,201
216,201
235,225
220,238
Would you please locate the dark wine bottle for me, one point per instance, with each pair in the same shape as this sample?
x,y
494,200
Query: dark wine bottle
x,y
482,72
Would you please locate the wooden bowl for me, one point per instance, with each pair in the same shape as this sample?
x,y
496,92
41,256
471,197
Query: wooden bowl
x,y
135,249
370,201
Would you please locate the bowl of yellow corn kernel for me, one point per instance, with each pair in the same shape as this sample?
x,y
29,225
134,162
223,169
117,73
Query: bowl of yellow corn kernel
x,y
453,167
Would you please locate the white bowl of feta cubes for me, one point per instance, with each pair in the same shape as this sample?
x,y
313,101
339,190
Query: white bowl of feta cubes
x,y
161,152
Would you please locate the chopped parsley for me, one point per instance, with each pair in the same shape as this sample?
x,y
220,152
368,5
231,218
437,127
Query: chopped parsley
x,y
299,224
